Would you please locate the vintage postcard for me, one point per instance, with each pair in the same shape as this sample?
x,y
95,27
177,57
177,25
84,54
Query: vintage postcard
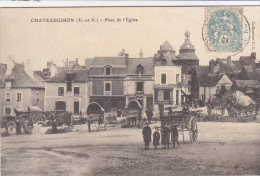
x,y
170,90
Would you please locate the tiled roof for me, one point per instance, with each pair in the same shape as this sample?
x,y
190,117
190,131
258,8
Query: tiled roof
x,y
249,83
201,71
187,45
247,61
235,66
147,63
20,79
250,72
88,62
81,76
225,68
187,56
166,46
112,61
160,62
211,80
257,71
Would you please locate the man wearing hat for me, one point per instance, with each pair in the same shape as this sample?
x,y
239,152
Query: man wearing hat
x,y
156,138
147,133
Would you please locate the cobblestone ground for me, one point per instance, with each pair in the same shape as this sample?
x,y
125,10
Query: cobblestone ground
x,y
222,148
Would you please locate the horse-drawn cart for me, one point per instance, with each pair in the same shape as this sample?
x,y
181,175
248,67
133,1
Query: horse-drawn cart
x,y
183,121
96,117
26,116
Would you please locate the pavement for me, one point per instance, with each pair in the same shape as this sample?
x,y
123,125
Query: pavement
x,y
221,149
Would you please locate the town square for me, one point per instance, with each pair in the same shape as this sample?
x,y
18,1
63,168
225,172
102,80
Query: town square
x,y
147,91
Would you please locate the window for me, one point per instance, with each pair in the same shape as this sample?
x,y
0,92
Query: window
x,y
163,78
76,91
61,91
69,86
107,87
140,69
166,94
19,97
37,97
177,97
8,111
7,97
107,70
177,78
140,86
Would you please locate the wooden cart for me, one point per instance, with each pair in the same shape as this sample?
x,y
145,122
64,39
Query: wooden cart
x,y
183,122
96,118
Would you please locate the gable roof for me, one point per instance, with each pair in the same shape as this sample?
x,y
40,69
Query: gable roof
x,y
211,80
247,61
201,72
147,63
81,76
111,61
20,79
166,46
248,83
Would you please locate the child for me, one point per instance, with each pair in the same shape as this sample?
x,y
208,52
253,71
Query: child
x,y
175,135
156,138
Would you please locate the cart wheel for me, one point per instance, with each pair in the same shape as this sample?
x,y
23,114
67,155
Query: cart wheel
x,y
11,128
193,130
36,117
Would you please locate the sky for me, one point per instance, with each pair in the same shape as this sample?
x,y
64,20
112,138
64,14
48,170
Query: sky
x,y
40,42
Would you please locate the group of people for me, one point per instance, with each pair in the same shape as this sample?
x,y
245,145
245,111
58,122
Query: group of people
x,y
166,132
26,125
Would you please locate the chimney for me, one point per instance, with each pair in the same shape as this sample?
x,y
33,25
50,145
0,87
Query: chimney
x,y
127,58
77,61
28,67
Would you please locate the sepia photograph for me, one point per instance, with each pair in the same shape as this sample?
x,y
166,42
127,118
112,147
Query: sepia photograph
x,y
98,90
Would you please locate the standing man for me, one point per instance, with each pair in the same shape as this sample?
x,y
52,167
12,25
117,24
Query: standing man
x,y
165,136
18,127
156,138
147,133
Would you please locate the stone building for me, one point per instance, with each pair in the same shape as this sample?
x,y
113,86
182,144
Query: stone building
x,y
139,81
68,90
19,87
106,86
167,78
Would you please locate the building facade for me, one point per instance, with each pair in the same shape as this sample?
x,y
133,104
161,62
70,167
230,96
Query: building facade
x,y
167,78
68,90
19,88
107,85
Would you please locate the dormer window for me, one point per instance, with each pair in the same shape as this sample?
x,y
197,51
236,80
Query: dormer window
x,y
140,69
108,70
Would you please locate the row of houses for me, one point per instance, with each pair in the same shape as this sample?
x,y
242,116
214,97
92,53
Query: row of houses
x,y
166,79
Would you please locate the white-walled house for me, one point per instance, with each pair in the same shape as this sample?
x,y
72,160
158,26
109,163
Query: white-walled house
x,y
167,78
213,84
68,90
19,88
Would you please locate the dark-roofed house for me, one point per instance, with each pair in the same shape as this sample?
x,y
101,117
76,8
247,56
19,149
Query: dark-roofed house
x,y
19,88
140,81
212,84
198,73
167,79
68,90
107,87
